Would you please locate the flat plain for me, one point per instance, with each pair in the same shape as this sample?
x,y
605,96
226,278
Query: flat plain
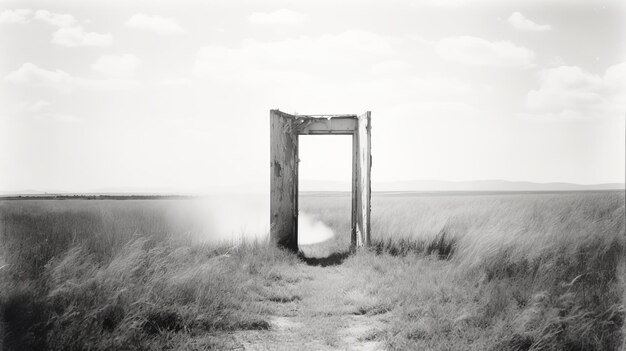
x,y
456,271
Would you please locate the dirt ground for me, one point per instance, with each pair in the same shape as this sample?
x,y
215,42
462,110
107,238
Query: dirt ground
x,y
328,315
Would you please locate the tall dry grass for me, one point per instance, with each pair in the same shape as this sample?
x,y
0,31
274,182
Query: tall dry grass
x,y
111,275
506,272
548,268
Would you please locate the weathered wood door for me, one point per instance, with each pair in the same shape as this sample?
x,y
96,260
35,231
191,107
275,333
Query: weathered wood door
x,y
284,132
283,180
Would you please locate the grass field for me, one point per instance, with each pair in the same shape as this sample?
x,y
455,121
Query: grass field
x,y
446,272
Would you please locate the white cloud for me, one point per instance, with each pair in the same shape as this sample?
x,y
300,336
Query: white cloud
x,y
77,36
117,66
615,77
302,54
521,23
480,52
18,16
303,65
364,66
55,19
30,74
157,24
568,92
282,16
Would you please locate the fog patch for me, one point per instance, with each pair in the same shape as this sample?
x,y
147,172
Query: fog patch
x,y
225,218
234,218
312,231
237,218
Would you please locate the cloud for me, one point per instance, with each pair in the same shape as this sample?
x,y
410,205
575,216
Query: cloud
x,y
23,16
117,66
282,16
157,24
69,33
293,55
18,16
480,52
77,36
30,74
615,77
55,19
296,65
568,92
364,66
521,23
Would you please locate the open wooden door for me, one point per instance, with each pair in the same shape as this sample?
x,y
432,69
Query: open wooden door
x,y
284,132
283,180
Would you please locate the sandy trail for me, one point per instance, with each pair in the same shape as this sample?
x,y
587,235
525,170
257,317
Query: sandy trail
x,y
329,316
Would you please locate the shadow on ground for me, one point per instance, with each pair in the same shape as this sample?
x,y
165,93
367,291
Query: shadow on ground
x,y
334,259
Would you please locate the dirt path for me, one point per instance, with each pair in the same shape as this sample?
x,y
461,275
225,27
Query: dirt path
x,y
330,314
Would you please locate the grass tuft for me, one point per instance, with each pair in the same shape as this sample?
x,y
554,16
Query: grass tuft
x,y
162,320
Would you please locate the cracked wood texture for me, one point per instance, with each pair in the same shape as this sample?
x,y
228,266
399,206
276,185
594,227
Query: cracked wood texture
x,y
284,132
283,180
364,184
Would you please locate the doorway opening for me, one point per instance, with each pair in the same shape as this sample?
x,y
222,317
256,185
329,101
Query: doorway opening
x,y
285,132
324,194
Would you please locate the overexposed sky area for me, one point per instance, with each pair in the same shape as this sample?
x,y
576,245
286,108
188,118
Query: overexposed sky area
x,y
175,95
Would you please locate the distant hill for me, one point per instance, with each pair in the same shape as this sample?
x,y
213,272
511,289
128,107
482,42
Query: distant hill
x,y
479,185
320,185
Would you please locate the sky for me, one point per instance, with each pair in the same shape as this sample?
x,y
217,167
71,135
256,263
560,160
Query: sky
x,y
175,95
